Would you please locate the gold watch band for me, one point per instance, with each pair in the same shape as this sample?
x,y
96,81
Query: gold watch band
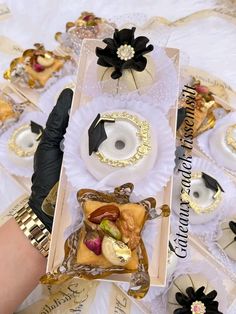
x,y
33,228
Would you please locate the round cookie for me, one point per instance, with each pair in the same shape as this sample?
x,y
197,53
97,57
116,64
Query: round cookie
x,y
22,145
222,144
203,201
227,241
129,151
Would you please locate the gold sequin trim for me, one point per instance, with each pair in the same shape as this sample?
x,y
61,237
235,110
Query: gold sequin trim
x,y
18,149
230,139
143,132
198,209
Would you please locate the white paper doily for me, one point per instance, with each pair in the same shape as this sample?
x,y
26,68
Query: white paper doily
x,y
18,165
203,139
76,171
207,229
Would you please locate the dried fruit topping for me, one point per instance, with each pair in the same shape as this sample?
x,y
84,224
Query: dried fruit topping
x,y
116,252
110,212
110,228
93,242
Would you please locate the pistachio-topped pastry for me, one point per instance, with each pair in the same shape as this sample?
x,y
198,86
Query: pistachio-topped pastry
x,y
9,111
204,111
35,67
112,228
123,65
88,25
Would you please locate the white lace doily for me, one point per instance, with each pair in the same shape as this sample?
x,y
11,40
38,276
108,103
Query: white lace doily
x,y
155,179
208,229
18,165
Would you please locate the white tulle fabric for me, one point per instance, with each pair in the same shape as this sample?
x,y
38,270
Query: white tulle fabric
x,y
17,166
207,230
48,99
163,91
155,179
203,139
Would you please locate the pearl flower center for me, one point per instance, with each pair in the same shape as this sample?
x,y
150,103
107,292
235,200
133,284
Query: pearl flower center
x,y
125,52
198,307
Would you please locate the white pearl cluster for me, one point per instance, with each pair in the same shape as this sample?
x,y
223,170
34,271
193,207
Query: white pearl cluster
x,y
125,52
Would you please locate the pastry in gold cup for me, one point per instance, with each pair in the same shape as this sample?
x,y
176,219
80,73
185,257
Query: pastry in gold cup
x,y
35,67
9,111
202,111
109,241
88,25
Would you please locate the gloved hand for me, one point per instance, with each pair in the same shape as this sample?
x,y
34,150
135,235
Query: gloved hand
x,y
48,157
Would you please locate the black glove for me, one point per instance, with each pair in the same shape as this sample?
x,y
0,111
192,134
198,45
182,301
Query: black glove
x,y
48,157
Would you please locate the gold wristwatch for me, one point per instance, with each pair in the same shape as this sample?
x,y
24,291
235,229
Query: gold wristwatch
x,y
32,227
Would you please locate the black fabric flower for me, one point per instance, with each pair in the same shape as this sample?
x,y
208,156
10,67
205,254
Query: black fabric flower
x,y
124,52
187,301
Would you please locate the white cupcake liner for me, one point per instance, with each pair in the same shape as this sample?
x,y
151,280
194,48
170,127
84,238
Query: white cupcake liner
x,y
203,139
163,92
207,230
17,165
76,171
49,98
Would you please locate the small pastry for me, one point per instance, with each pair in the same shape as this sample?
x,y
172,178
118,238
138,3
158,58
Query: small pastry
x,y
205,112
119,140
192,294
222,145
204,197
9,111
228,239
86,26
35,67
122,66
111,233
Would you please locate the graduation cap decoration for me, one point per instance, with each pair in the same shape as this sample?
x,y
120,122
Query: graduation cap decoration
x,y
97,133
37,129
180,117
232,226
211,183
